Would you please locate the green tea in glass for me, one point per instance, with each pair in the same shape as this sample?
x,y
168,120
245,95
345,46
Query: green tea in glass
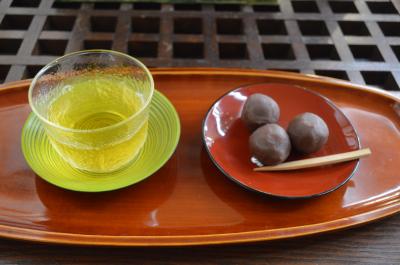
x,y
94,106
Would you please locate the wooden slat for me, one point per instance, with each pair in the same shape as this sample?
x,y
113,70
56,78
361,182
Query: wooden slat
x,y
217,51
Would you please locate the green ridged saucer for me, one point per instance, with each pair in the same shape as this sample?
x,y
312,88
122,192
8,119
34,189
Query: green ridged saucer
x,y
162,139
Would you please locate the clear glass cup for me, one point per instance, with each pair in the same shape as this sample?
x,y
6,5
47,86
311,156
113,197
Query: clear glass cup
x,y
94,107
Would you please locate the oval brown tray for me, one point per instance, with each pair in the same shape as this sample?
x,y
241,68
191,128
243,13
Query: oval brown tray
x,y
189,202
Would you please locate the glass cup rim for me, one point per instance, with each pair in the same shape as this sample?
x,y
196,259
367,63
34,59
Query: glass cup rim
x,y
47,66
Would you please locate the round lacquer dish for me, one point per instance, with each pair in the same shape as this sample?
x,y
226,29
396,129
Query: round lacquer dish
x,y
227,141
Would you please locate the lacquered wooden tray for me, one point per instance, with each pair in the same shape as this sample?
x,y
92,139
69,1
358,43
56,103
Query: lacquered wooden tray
x,y
189,202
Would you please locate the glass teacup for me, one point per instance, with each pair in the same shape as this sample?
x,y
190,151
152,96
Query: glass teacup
x,y
94,107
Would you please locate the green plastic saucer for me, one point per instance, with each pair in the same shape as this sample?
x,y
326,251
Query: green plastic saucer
x,y
162,139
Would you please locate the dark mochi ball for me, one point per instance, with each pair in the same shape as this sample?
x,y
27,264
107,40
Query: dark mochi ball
x,y
308,133
258,110
270,144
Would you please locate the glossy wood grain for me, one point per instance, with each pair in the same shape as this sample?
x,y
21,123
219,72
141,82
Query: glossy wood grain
x,y
189,201
371,244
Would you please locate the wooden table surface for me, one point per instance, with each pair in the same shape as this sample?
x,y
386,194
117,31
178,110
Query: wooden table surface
x,y
376,243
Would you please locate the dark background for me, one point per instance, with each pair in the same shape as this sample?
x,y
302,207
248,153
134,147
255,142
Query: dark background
x,y
352,40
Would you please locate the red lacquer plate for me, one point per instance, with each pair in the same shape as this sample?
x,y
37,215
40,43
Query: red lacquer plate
x,y
226,139
189,201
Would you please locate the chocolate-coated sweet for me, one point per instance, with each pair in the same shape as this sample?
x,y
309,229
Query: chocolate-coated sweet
x,y
270,144
308,132
258,110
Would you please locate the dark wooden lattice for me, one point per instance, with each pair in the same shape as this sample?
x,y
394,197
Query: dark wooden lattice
x,y
353,40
